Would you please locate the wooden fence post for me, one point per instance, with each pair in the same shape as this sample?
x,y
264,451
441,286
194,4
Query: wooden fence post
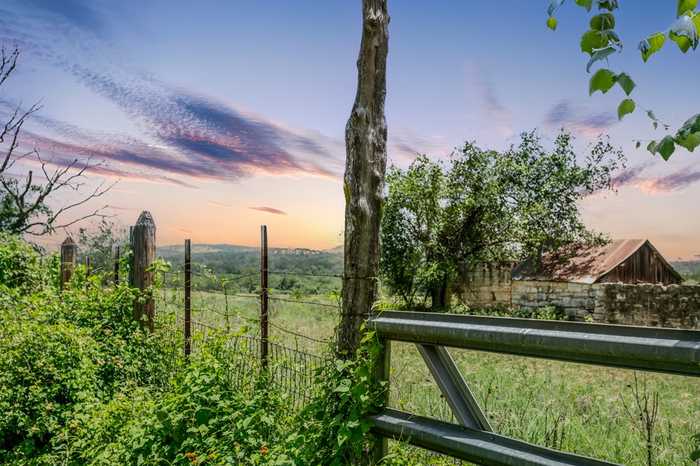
x,y
143,245
188,298
87,266
69,253
263,298
116,266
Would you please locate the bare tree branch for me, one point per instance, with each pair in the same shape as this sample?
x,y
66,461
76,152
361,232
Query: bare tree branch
x,y
24,201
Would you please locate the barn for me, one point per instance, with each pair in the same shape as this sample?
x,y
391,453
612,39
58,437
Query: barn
x,y
627,279
629,261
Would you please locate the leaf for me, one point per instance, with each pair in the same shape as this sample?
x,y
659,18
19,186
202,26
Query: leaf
x,y
587,4
600,55
690,141
696,21
626,83
688,135
666,147
686,6
592,40
609,5
602,81
554,6
651,45
626,106
602,22
684,33
651,147
552,23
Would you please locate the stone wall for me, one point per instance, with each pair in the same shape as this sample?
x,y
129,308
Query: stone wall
x,y
643,304
577,300
649,305
486,285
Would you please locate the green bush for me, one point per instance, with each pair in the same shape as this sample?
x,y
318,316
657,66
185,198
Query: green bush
x,y
63,351
20,264
198,419
47,369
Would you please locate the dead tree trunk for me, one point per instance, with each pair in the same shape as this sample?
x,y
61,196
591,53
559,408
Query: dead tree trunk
x,y
365,164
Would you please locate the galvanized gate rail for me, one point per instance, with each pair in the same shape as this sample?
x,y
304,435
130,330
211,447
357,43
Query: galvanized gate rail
x,y
650,349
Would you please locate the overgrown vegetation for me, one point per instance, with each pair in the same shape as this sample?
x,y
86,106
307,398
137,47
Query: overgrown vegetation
x,y
83,383
484,205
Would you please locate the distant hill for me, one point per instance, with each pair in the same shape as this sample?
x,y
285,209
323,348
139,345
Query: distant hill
x,y
230,258
690,270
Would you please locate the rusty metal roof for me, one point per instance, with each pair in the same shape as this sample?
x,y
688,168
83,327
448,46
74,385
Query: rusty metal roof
x,y
580,264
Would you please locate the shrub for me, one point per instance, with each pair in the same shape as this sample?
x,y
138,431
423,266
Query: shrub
x,y
199,419
46,370
20,264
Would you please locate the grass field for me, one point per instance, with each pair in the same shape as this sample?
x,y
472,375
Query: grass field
x,y
578,408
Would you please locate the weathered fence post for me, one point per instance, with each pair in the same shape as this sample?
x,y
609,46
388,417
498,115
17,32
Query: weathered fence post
x,y
69,253
116,266
87,266
188,298
263,297
143,245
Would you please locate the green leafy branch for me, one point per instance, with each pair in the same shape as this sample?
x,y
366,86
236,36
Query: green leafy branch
x,y
601,41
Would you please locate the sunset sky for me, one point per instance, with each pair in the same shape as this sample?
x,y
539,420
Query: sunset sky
x,y
218,116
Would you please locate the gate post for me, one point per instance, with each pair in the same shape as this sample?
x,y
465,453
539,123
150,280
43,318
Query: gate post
x,y
69,253
143,245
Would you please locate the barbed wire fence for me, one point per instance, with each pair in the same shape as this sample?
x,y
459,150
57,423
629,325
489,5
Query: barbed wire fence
x,y
287,334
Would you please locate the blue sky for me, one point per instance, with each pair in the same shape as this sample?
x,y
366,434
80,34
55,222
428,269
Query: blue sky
x,y
218,116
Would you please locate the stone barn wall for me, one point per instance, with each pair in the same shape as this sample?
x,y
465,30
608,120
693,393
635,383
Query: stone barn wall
x,y
649,305
628,304
577,300
486,285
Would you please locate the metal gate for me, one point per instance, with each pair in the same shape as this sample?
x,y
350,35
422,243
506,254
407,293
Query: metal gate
x,y
652,349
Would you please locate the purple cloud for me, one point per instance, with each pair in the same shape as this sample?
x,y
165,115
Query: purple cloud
x,y
565,114
269,210
182,133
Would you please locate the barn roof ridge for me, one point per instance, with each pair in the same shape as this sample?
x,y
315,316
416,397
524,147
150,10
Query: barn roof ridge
x,y
584,263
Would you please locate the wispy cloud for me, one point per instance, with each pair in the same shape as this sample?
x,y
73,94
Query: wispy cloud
x,y
669,183
630,175
634,176
182,133
495,113
565,114
269,210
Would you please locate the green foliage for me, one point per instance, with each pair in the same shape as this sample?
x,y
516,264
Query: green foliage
x,y
695,455
686,6
197,419
62,352
333,429
626,107
484,206
651,45
601,41
625,82
100,242
603,80
47,370
21,266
